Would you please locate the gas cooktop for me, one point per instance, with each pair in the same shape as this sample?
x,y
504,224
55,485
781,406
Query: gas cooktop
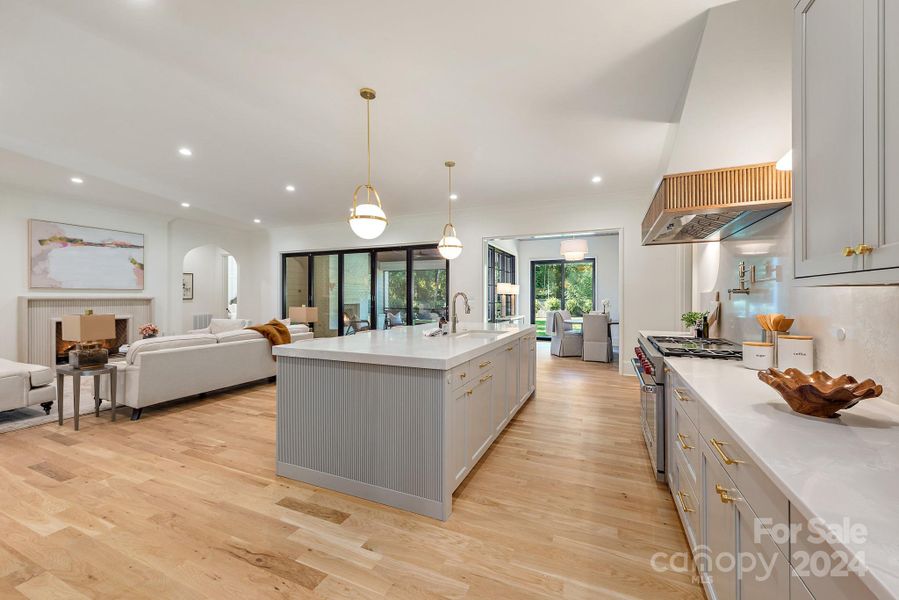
x,y
697,347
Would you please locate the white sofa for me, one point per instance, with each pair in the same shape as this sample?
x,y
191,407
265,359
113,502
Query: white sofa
x,y
167,368
24,385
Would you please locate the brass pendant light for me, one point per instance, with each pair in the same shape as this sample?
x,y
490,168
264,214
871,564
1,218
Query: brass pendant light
x,y
450,246
367,220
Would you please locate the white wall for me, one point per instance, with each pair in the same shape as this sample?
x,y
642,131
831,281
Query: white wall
x,y
248,249
206,264
166,244
17,207
652,297
737,108
869,314
603,248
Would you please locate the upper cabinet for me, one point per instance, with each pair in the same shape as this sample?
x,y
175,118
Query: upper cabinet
x,y
846,139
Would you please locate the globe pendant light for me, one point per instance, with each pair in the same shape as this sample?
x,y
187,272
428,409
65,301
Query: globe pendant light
x,y
450,246
367,220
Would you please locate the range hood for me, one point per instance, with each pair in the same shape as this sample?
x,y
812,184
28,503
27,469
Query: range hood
x,y
707,206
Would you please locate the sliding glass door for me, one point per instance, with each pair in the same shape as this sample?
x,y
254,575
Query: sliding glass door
x,y
429,292
561,285
324,294
361,289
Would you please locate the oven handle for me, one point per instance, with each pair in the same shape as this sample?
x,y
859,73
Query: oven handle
x,y
638,369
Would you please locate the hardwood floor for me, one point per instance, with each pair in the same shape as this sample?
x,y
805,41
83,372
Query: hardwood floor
x,y
185,504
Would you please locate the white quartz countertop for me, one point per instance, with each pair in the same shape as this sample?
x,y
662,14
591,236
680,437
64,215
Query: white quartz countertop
x,y
832,469
408,347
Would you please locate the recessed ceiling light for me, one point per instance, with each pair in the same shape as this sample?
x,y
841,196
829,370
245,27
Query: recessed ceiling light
x,y
596,179
257,221
76,180
290,188
185,204
185,151
454,196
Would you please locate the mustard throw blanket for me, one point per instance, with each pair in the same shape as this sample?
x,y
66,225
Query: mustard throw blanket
x,y
274,331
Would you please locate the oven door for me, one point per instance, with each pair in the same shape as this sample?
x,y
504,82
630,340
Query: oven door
x,y
650,393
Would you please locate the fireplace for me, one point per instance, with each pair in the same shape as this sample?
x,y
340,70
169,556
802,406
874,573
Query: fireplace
x,y
113,345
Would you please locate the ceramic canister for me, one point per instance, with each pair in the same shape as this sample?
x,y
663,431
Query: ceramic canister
x,y
758,355
796,352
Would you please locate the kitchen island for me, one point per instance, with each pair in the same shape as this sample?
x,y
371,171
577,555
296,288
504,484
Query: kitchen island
x,y
396,417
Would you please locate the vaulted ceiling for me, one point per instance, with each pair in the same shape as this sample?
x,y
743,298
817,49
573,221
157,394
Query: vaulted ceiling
x,y
530,98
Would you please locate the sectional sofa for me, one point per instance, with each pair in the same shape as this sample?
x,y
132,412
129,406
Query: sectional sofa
x,y
167,368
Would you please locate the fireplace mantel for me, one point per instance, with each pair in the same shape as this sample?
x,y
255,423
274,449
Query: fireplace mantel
x,y
38,314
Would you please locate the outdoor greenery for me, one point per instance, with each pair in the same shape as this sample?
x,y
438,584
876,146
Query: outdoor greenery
x,y
553,281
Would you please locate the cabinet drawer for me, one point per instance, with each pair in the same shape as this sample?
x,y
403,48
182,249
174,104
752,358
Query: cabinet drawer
x,y
482,364
828,575
755,487
685,442
460,375
683,397
687,501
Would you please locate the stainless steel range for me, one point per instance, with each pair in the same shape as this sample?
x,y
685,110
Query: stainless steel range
x,y
650,368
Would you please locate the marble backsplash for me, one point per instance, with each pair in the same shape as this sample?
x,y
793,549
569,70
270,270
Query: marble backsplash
x,y
868,314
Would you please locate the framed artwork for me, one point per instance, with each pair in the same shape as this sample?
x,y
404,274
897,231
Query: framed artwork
x,y
78,257
187,286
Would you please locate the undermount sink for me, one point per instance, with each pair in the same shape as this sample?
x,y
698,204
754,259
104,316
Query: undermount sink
x,y
478,333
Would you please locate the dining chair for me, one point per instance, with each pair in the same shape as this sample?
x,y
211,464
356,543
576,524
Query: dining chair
x,y
597,343
565,340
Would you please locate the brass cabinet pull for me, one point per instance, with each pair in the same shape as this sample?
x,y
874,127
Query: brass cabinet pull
x,y
680,395
683,505
469,392
509,349
723,494
485,378
863,249
848,251
485,363
716,444
463,375
667,370
683,442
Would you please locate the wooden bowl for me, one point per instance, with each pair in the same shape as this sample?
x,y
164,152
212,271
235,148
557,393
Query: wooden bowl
x,y
819,394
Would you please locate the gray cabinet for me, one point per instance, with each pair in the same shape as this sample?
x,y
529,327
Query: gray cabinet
x,y
458,428
480,424
846,140
524,369
510,392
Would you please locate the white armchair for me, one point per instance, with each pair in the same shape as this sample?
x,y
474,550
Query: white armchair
x,y
597,344
24,385
565,341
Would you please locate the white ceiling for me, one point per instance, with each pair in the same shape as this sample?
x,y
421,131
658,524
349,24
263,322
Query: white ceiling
x,y
530,98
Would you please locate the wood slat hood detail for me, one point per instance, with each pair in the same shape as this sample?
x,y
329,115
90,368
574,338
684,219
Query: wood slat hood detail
x,y
713,205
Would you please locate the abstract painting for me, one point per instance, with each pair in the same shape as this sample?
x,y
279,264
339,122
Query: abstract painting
x,y
76,257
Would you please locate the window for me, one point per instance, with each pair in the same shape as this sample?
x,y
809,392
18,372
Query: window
x,y
500,269
364,288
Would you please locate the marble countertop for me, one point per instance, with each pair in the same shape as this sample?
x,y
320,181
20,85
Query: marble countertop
x,y
832,469
408,347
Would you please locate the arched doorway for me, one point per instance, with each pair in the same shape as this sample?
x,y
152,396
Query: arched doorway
x,y
209,286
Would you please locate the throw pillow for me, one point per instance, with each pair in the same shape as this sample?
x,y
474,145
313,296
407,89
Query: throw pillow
x,y
217,326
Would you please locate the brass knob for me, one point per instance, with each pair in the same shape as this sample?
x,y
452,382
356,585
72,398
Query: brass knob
x,y
848,251
863,249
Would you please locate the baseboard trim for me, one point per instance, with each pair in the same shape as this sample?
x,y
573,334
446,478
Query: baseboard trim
x,y
422,506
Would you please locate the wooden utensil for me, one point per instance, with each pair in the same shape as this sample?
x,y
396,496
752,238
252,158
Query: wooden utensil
x,y
776,321
762,322
785,325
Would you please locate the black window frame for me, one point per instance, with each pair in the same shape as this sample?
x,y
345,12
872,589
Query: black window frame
x,y
563,262
372,252
501,268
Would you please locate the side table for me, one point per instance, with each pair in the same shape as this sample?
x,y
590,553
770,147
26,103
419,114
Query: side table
x,y
62,371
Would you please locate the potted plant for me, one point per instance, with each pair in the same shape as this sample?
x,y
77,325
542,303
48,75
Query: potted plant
x,y
693,321
148,330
